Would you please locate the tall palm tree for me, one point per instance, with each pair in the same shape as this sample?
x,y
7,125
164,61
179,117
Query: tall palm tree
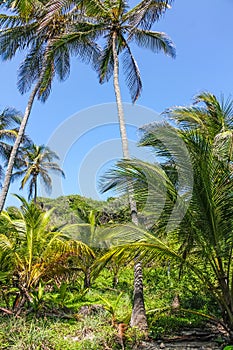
x,y
48,51
37,163
120,27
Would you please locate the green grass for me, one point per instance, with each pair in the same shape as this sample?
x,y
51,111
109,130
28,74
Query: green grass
x,y
26,333
94,330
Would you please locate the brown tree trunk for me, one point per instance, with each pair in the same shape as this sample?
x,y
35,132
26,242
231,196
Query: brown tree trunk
x,y
35,188
19,137
15,148
138,317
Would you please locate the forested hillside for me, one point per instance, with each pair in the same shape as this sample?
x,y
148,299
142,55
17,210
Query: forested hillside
x,y
75,209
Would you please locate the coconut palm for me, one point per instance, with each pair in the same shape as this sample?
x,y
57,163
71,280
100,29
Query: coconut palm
x,y
120,27
35,252
204,233
211,116
36,164
207,114
48,51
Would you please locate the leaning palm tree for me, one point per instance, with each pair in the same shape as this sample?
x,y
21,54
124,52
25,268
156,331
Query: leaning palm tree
x,y
10,120
48,51
37,163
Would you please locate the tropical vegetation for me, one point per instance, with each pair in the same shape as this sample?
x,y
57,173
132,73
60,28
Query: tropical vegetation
x,y
71,258
194,227
52,31
66,264
36,164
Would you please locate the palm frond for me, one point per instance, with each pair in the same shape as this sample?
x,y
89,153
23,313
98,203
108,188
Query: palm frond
x,y
29,70
46,181
23,7
106,62
146,13
14,39
9,21
132,74
155,41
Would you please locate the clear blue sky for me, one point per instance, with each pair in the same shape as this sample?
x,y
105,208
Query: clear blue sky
x,y
202,32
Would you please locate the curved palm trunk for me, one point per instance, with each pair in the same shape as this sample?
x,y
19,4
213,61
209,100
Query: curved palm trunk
x,y
19,137
138,317
15,148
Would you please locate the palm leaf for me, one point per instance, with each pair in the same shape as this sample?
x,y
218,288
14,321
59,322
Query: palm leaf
x,y
146,13
155,41
106,62
132,74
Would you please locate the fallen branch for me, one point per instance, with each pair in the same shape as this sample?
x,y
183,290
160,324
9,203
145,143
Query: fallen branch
x,y
6,311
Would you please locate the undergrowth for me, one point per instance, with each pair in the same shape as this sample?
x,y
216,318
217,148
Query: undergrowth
x,y
72,319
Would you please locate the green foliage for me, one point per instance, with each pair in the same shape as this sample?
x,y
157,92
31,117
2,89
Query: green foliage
x,y
37,162
74,209
36,253
112,211
24,334
76,330
194,230
93,332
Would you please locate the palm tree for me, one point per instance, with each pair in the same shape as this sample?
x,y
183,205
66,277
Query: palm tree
x,y
35,252
37,163
48,54
120,27
204,236
211,116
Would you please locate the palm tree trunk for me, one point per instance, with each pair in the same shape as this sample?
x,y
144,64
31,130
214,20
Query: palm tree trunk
x,y
19,137
124,139
35,188
15,148
138,317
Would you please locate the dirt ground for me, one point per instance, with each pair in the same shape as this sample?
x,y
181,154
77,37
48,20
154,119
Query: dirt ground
x,y
184,345
210,338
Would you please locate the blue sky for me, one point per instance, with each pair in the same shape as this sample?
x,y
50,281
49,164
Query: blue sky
x,y
202,33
